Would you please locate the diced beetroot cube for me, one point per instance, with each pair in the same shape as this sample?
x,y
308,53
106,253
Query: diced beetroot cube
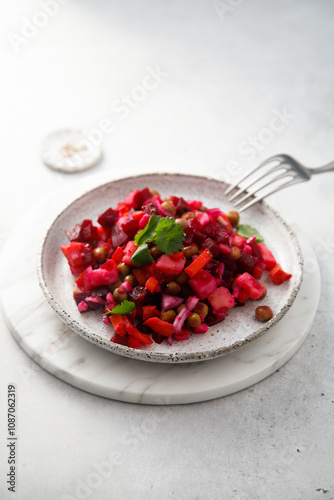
x,y
221,235
143,195
267,257
198,237
150,209
157,337
212,246
136,198
79,256
139,295
189,238
118,339
250,285
100,292
221,297
209,229
203,284
255,247
95,302
108,218
213,319
180,205
118,237
80,296
247,262
171,265
195,224
130,199
128,224
84,232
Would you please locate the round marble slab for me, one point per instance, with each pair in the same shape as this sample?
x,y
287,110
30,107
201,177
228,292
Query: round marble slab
x,y
59,350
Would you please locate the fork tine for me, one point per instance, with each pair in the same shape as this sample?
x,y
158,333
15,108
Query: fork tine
x,y
278,158
259,198
283,175
269,172
250,172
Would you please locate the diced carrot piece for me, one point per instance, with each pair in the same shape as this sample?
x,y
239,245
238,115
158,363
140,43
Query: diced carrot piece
x,y
160,326
257,272
132,316
140,275
152,285
278,276
118,324
138,215
117,256
144,338
198,264
150,312
133,342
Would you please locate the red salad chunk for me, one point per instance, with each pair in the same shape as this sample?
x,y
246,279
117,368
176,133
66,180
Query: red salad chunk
x,y
160,270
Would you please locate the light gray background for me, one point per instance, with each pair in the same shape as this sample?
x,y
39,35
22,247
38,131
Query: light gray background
x,y
229,68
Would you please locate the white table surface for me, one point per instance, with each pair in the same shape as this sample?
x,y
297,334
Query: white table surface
x,y
225,71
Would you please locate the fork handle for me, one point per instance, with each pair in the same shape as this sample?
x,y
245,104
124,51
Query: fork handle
x,y
326,168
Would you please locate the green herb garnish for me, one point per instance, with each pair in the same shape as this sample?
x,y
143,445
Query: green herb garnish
x,y
149,230
142,255
125,307
164,232
247,231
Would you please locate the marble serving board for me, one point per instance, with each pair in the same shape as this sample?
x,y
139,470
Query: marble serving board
x,y
62,352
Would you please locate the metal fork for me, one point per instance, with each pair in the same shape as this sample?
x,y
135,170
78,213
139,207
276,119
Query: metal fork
x,y
285,168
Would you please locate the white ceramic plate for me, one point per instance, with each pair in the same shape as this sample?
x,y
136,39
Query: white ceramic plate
x,y
238,328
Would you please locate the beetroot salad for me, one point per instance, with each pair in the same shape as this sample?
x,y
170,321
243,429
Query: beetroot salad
x,y
164,269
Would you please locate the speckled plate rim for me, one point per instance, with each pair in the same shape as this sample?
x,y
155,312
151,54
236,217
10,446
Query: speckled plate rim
x,y
175,356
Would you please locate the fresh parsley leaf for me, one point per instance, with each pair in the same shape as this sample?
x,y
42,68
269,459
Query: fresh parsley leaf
x,y
247,231
164,232
142,255
146,234
168,236
125,307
